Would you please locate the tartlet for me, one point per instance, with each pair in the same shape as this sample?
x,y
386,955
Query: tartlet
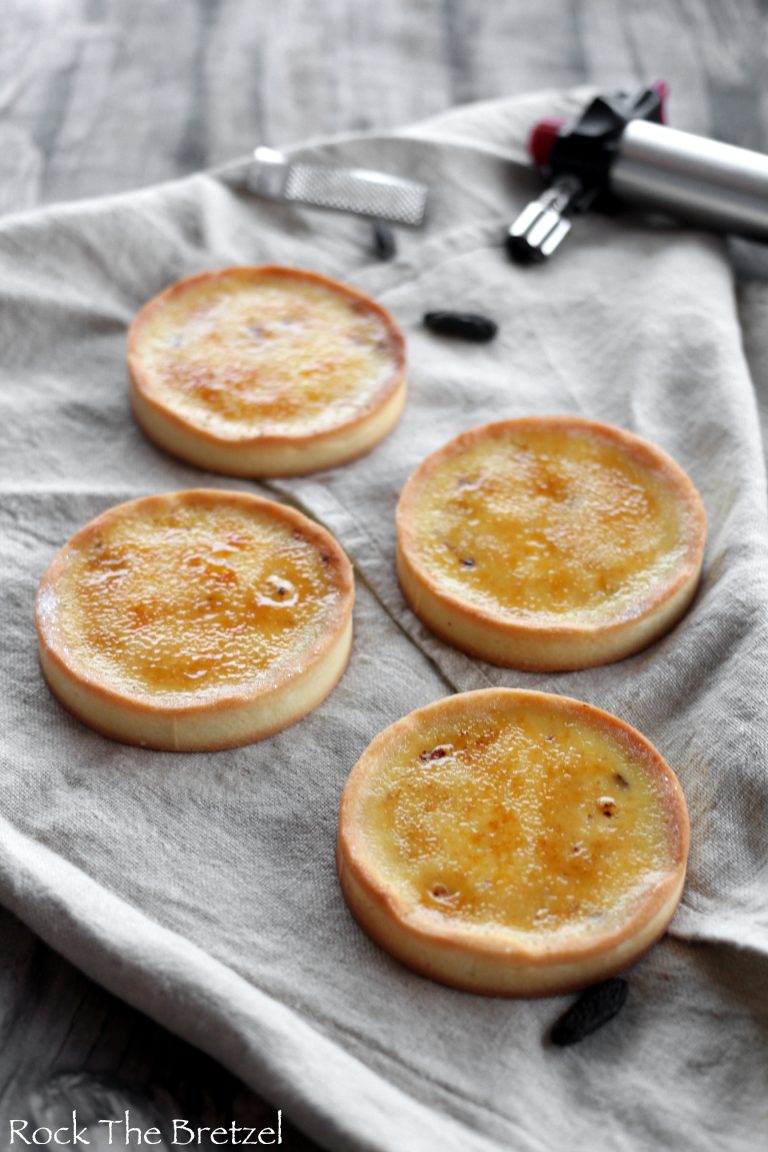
x,y
265,371
549,543
195,620
512,843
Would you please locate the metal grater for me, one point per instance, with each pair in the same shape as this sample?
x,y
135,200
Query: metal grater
x,y
358,190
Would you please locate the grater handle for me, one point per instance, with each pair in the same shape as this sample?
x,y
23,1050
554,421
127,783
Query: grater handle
x,y
362,191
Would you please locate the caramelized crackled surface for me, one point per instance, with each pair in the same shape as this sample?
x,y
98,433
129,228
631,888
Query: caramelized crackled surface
x,y
265,352
175,599
516,811
552,522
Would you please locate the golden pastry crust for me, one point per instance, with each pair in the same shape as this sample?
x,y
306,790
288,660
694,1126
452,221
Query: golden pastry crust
x,y
549,543
512,843
195,620
265,371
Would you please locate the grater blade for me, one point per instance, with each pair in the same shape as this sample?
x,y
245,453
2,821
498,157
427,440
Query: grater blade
x,y
358,190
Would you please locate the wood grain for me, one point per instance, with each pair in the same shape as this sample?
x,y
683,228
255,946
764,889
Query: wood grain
x,y
99,96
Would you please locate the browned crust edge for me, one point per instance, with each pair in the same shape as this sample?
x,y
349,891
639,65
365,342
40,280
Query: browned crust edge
x,y
540,648
109,711
495,963
268,455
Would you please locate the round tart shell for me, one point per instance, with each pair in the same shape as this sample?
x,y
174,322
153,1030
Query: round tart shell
x,y
534,646
498,963
267,454
226,720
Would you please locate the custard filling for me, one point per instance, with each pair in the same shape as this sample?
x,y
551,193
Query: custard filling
x,y
546,523
518,818
191,600
272,356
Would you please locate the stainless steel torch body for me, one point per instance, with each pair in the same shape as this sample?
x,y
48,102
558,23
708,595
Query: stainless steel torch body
x,y
692,177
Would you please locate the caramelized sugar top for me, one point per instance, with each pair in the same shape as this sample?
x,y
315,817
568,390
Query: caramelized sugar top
x,y
518,817
271,355
547,522
191,600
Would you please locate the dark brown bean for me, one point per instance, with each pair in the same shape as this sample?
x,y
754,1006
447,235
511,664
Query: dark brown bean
x,y
384,243
594,1007
465,325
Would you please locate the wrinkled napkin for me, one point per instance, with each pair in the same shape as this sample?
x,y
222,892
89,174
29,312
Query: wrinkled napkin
x,y
201,888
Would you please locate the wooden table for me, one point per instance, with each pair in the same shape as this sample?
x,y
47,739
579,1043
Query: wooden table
x,y
100,96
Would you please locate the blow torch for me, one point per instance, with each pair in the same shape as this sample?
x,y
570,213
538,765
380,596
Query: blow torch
x,y
620,150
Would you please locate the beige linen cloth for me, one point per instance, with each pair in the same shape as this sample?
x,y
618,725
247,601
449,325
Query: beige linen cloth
x,y
201,888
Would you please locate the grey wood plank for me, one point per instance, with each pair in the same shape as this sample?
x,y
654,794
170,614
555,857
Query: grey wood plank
x,y
117,94
66,1043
